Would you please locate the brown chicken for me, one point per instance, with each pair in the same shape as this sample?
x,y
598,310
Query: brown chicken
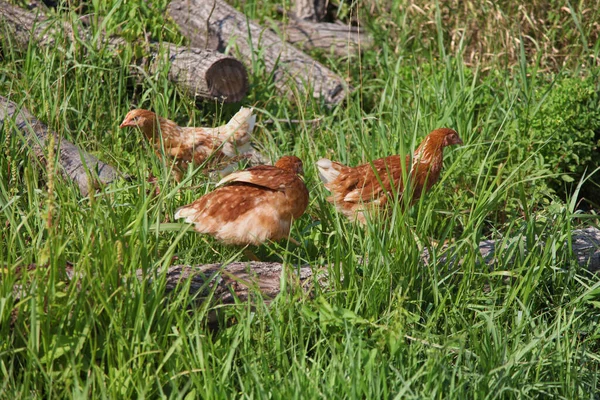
x,y
255,205
188,144
368,187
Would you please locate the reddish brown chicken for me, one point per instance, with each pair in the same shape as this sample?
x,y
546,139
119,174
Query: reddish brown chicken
x,y
255,205
188,144
368,187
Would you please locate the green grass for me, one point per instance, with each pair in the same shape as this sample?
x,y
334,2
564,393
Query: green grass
x,y
392,327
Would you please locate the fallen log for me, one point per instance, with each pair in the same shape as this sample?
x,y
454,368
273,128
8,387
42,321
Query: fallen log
x,y
241,280
204,73
306,28
202,20
585,245
222,284
197,72
342,40
310,10
76,164
226,282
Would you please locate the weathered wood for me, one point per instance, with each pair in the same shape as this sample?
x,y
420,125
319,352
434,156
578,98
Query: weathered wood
x,y
342,40
242,279
204,73
310,10
585,246
75,163
226,282
198,72
239,279
200,20
222,284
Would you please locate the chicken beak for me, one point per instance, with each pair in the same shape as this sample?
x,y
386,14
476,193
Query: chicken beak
x,y
459,141
124,124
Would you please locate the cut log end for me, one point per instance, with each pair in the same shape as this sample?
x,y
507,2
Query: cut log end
x,y
205,73
203,19
227,80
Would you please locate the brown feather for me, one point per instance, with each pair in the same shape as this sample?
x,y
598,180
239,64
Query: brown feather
x,y
255,205
184,145
368,187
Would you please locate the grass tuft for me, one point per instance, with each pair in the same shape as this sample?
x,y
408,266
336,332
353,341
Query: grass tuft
x,y
389,325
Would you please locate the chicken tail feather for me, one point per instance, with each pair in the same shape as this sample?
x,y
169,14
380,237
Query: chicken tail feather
x,y
240,127
328,170
186,212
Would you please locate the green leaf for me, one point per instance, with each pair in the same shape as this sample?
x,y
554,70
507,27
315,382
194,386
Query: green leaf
x,y
567,178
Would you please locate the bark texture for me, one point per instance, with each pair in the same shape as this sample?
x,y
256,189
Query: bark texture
x,y
201,21
74,162
207,74
585,246
198,72
240,279
243,279
340,39
310,10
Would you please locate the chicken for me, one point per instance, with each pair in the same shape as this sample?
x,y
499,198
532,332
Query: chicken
x,y
189,144
368,187
255,205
